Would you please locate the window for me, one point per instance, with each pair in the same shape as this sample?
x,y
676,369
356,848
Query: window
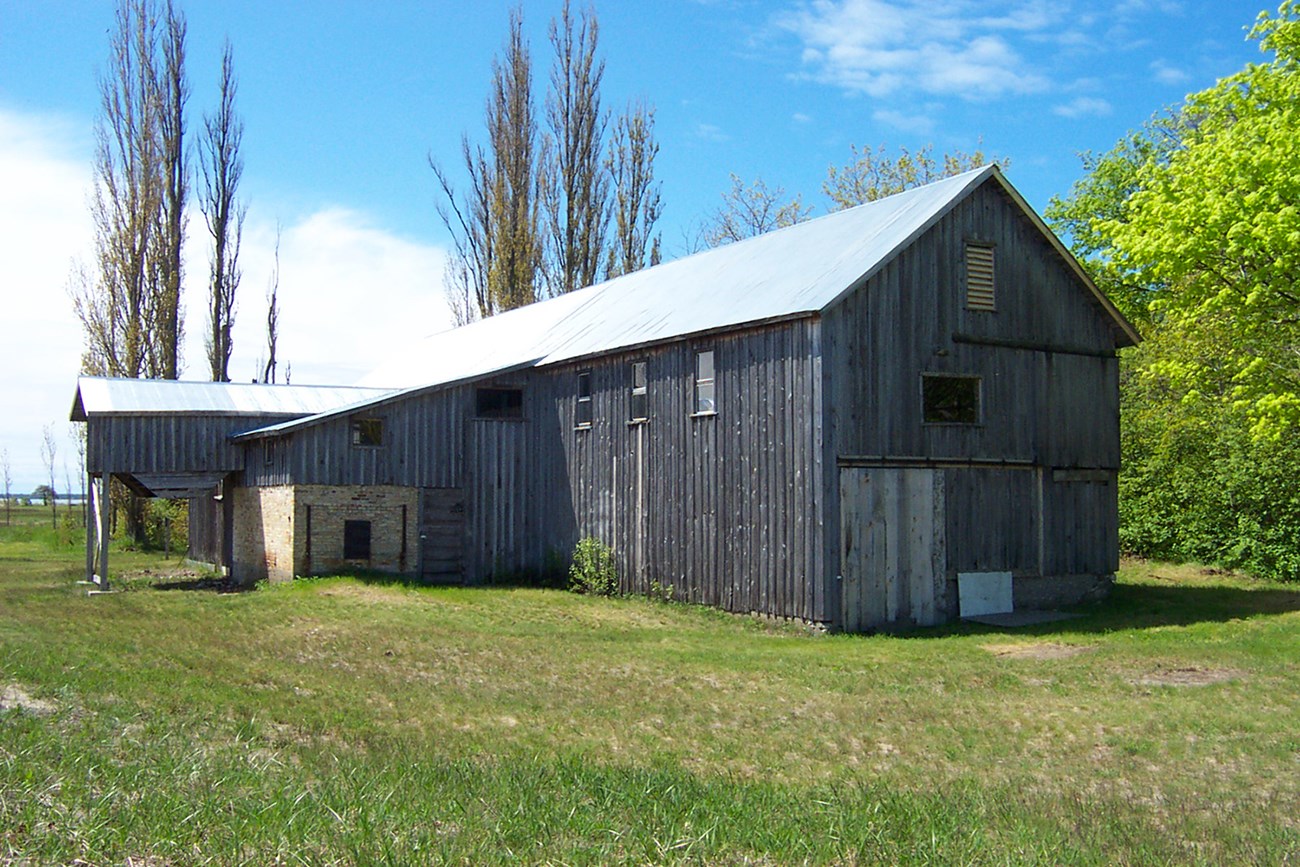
x,y
582,413
705,395
499,403
356,540
367,431
638,401
950,399
268,451
979,277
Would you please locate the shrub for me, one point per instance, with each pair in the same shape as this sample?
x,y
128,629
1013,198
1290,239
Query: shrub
x,y
593,570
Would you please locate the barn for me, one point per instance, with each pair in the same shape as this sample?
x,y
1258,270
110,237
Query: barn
x,y
850,422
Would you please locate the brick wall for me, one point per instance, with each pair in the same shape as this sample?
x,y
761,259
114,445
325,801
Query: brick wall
x,y
321,510
263,545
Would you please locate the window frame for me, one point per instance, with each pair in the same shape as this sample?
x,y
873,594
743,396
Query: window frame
x,y
367,432
638,388
926,404
504,412
351,530
702,383
583,406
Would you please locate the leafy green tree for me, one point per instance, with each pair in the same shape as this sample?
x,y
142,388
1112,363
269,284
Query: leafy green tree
x,y
1215,230
1192,225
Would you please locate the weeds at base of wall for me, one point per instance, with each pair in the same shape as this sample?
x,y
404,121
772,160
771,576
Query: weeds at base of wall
x,y
593,571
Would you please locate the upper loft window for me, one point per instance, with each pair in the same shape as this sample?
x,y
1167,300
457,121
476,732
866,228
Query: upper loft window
x,y
706,402
950,399
367,431
499,403
980,294
582,413
638,399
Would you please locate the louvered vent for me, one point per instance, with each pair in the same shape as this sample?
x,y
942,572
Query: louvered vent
x,y
979,277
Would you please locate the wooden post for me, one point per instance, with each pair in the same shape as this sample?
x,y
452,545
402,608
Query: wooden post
x,y
102,518
91,528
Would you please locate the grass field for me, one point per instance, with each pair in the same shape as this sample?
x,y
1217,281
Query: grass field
x,y
345,721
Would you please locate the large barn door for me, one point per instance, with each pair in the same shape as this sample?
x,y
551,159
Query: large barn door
x,y
893,547
442,536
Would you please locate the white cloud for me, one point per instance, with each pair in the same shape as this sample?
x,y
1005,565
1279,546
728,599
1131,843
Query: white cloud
x,y
881,47
350,291
349,294
44,225
912,123
710,132
801,118
1083,106
1166,74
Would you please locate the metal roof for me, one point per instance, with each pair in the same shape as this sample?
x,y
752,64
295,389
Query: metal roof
x,y
799,270
103,396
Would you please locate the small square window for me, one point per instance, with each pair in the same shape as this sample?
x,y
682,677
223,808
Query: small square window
x,y
499,403
950,399
705,394
356,540
638,395
582,415
367,431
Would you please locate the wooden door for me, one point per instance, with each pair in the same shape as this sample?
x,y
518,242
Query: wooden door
x,y
893,547
442,536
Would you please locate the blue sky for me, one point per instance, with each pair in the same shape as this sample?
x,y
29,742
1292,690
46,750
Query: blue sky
x,y
344,102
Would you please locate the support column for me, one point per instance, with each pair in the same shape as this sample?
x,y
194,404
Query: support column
x,y
92,540
102,518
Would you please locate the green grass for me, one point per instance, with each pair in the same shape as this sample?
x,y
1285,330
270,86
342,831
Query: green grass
x,y
350,721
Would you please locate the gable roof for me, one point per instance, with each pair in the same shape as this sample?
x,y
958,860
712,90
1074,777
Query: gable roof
x,y
100,396
793,272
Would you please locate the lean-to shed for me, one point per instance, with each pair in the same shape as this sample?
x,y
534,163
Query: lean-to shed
x,y
830,422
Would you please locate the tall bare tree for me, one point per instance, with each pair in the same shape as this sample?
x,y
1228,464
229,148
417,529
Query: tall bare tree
x,y
575,189
223,167
498,243
872,175
129,305
6,471
272,315
752,210
637,204
49,451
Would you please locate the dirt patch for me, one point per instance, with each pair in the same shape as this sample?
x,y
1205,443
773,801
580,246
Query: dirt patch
x,y
1192,675
14,697
1040,650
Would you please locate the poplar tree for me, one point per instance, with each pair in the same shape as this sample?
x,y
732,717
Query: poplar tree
x,y
129,303
752,210
637,204
575,185
497,256
223,167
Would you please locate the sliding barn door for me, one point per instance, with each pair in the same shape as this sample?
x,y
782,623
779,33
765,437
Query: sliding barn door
x,y
893,547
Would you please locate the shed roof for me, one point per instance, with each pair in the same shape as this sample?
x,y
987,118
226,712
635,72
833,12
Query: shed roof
x,y
99,396
797,271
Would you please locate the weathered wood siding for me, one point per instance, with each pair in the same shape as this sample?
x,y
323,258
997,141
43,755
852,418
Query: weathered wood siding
x,y
423,446
148,444
722,507
1049,394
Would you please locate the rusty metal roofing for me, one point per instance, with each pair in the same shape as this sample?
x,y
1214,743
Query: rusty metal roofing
x,y
103,396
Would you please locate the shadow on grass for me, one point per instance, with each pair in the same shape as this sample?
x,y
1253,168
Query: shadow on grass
x,y
1144,606
208,583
